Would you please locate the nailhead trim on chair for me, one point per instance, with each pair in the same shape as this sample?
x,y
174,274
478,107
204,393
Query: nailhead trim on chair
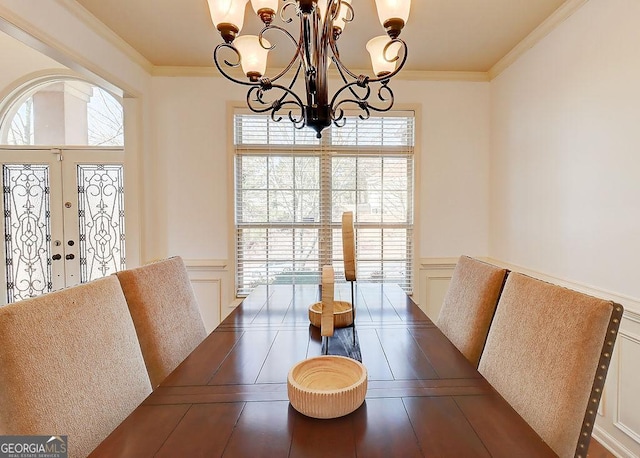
x,y
598,383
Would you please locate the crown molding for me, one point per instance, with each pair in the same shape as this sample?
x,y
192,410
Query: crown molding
x,y
206,264
177,71
16,27
105,32
405,75
415,75
551,23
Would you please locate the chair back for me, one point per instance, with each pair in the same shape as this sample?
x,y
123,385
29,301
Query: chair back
x,y
547,354
70,364
165,314
469,305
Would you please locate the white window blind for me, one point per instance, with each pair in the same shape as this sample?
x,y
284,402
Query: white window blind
x,y
292,188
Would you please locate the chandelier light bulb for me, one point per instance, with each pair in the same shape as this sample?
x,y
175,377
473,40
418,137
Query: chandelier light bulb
x,y
228,17
253,56
383,63
393,15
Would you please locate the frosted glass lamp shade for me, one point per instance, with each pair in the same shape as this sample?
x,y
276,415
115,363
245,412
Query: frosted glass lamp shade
x,y
393,15
264,5
383,63
228,17
253,56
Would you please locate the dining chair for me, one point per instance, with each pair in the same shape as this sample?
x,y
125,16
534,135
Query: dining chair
x,y
547,353
469,305
165,313
70,364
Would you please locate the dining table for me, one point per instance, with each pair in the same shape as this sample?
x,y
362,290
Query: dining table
x,y
228,398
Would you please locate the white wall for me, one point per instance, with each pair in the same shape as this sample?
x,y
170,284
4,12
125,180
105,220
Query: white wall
x,y
23,61
190,149
566,151
565,162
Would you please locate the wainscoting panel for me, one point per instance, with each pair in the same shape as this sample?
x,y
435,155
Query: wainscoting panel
x,y
433,281
209,278
628,418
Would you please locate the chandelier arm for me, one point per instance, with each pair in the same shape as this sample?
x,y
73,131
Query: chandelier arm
x,y
351,13
388,76
339,65
364,82
362,104
331,11
307,43
230,64
258,98
349,86
296,54
390,100
285,7
276,105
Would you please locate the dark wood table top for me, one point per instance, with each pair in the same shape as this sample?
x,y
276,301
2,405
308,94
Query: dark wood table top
x,y
229,397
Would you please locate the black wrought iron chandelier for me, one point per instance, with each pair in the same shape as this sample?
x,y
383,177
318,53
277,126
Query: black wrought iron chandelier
x,y
321,25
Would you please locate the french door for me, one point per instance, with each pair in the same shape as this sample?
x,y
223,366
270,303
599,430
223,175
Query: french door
x,y
63,218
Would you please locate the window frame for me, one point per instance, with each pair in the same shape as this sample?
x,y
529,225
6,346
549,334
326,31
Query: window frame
x,y
11,102
414,110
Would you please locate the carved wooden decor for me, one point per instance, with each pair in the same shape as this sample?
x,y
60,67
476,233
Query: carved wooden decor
x,y
348,246
342,314
326,322
327,386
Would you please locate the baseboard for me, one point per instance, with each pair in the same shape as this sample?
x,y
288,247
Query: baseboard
x,y
611,443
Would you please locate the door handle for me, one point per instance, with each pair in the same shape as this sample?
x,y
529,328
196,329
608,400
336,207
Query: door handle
x,y
56,257
69,257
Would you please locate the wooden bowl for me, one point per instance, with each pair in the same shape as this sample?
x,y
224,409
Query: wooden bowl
x,y
342,314
327,386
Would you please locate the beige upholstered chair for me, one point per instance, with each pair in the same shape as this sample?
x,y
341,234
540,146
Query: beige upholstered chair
x,y
70,364
547,354
469,305
165,313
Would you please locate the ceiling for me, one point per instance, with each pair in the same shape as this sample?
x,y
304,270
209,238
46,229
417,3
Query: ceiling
x,y
442,35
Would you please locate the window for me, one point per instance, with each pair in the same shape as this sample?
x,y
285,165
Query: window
x,y
63,111
292,188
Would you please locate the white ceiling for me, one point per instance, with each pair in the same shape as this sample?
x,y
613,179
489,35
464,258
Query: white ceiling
x,y
442,35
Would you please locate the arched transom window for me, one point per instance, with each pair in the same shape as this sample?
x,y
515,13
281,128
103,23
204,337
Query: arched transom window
x,y
65,112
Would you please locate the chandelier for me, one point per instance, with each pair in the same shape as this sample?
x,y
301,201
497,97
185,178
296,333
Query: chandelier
x,y
321,25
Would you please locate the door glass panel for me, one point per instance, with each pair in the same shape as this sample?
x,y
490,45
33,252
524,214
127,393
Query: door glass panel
x,y
101,220
27,230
